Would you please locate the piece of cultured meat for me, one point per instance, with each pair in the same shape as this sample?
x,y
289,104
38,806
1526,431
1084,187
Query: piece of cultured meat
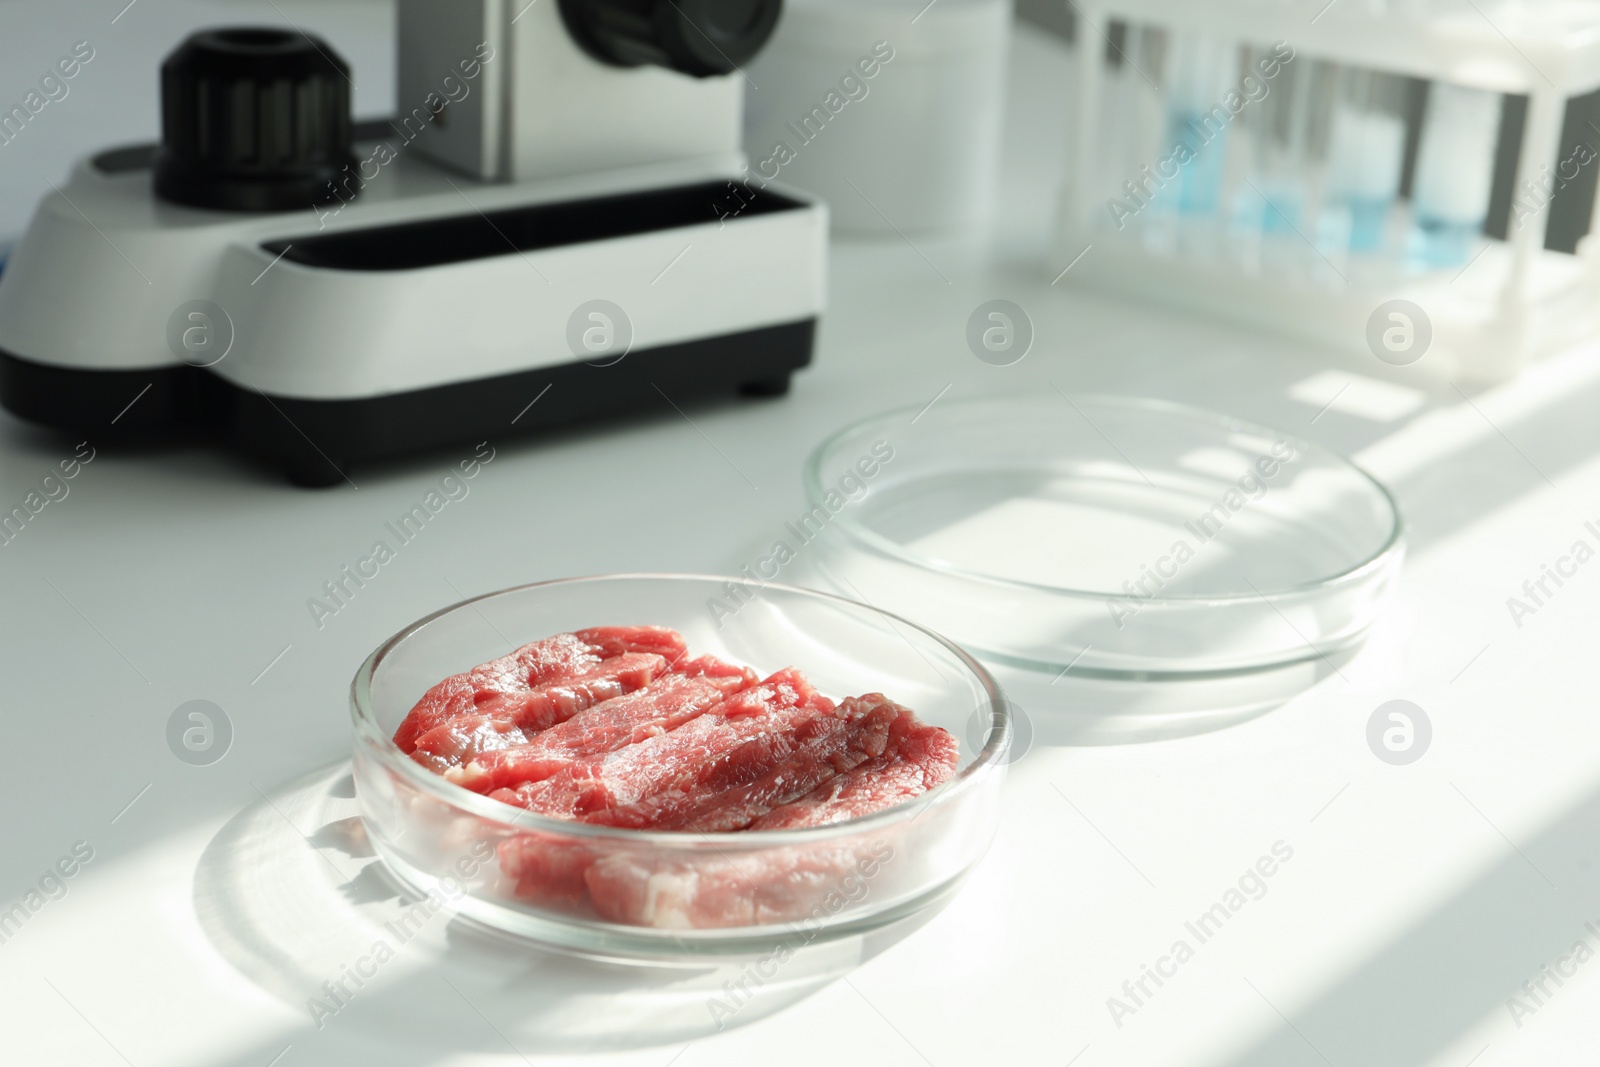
x,y
482,689
729,676
533,664
546,869
443,748
729,745
611,641
512,719
808,881
790,884
664,704
823,748
897,757
917,758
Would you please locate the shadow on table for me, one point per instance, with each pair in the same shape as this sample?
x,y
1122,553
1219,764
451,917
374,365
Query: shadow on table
x,y
1455,967
302,913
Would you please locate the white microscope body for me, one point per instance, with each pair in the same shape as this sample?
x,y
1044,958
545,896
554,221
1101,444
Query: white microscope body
x,y
553,228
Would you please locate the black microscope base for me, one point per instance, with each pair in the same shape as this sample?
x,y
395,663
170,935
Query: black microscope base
x,y
313,441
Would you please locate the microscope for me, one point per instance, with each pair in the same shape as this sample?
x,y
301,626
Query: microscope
x,y
554,228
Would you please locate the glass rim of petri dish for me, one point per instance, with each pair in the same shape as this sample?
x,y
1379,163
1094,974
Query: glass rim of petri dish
x,y
1391,546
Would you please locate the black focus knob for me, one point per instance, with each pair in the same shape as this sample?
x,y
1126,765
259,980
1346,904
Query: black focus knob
x,y
253,120
698,37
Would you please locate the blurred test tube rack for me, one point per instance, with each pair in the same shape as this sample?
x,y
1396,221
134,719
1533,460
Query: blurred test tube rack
x,y
1296,163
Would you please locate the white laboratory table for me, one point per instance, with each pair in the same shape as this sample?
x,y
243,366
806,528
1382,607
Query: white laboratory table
x,y
1416,901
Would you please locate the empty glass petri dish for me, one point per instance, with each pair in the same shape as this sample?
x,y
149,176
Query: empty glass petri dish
x,y
1148,567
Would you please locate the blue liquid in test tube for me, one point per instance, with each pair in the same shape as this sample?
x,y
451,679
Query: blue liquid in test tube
x,y
1455,160
1197,120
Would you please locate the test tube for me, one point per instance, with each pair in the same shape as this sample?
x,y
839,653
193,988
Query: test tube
x,y
1282,159
1137,196
1112,131
1128,135
1365,153
1202,67
1322,91
1149,49
1281,172
1455,161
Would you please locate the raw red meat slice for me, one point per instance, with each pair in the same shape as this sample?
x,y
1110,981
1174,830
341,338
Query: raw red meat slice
x,y
511,719
805,881
616,640
730,745
730,677
546,869
529,667
918,758
533,664
442,748
540,709
662,705
824,749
